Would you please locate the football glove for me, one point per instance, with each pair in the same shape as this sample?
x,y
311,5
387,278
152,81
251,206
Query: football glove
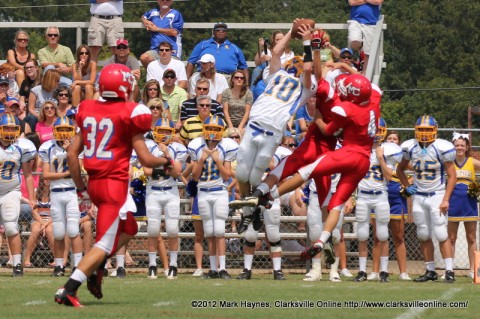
x,y
317,40
411,189
192,188
84,202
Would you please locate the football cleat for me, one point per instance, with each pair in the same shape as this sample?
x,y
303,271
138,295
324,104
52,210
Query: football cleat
x,y
361,276
17,271
278,275
58,271
121,273
328,252
63,297
312,251
404,276
172,272
334,276
212,274
373,276
245,275
449,277
94,283
244,222
257,218
152,272
313,275
384,276
223,274
429,275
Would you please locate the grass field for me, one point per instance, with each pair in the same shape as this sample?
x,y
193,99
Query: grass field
x,y
188,297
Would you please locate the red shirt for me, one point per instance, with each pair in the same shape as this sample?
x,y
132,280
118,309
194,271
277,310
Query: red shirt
x,y
107,128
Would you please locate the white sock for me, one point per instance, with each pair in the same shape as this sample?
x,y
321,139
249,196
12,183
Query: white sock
x,y
384,263
334,266
173,258
277,263
274,192
120,261
325,236
152,258
78,275
430,265
59,262
317,265
248,261
77,258
362,264
221,260
213,263
448,263
263,188
17,259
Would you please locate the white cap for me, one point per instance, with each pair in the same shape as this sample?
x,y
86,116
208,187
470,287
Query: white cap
x,y
207,58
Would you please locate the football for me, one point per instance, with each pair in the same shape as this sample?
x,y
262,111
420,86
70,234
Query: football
x,y
296,25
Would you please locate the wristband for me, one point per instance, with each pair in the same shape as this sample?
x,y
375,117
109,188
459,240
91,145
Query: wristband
x,y
306,42
308,53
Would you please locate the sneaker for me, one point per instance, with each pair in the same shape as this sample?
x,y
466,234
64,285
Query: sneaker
x,y
312,251
247,201
152,272
449,277
313,275
244,222
121,273
278,275
335,276
245,275
404,276
373,276
58,271
63,297
384,276
361,276
165,271
212,274
257,218
223,274
328,252
94,283
429,275
172,272
198,273
17,271
471,275
346,273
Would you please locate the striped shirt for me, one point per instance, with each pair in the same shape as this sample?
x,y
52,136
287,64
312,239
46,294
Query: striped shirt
x,y
189,109
193,128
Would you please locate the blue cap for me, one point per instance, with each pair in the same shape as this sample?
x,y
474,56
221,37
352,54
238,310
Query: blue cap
x,y
3,79
71,113
342,51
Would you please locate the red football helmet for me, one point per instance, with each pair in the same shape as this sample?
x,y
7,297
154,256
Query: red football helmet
x,y
339,78
116,81
355,88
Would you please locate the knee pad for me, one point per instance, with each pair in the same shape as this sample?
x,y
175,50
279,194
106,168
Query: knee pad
x,y
73,227
11,229
276,247
219,228
171,226
441,233
423,232
153,228
58,230
363,231
336,236
242,173
273,233
208,228
249,243
382,231
251,235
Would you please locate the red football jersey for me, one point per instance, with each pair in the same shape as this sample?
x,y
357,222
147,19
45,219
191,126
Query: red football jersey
x,y
107,128
326,99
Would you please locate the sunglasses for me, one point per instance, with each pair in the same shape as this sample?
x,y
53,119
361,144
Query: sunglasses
x,y
49,108
289,145
201,89
220,30
122,47
155,107
164,50
22,40
239,77
235,137
346,57
152,89
169,77
53,35
204,105
63,95
83,53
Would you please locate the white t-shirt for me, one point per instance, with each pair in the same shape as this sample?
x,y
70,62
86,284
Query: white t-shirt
x,y
216,88
156,69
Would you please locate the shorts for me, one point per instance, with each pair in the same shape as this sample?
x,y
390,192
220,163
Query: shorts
x,y
105,30
363,33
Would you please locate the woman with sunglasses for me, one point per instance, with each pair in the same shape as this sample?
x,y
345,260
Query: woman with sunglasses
x,y
63,95
19,55
237,101
84,75
32,79
47,115
151,90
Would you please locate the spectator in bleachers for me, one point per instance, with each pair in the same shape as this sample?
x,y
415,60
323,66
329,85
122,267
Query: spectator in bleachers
x,y
47,115
8,70
150,90
157,107
13,107
156,68
32,79
262,57
84,75
304,117
57,55
343,66
164,24
106,25
228,56
189,107
173,95
63,95
87,225
3,92
19,55
237,101
218,82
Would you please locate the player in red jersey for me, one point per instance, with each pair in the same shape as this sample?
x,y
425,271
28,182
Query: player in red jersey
x,y
109,130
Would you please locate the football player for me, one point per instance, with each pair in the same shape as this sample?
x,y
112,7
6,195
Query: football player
x,y
162,195
212,155
64,210
15,154
431,158
109,130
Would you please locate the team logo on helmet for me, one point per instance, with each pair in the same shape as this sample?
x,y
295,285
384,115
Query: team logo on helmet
x,y
163,131
426,129
63,129
9,127
213,128
355,88
294,66
116,81
381,130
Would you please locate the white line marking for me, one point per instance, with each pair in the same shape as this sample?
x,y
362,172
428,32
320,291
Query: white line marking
x,y
164,303
416,312
35,303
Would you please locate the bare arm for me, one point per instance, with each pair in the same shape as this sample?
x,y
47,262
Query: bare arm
x,y
144,156
387,172
452,180
48,175
278,49
402,166
27,173
189,70
32,99
74,162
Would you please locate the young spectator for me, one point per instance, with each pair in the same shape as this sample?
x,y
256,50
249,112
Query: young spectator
x,y
40,93
173,94
343,66
157,107
19,55
106,25
164,24
262,56
13,107
156,68
32,79
57,55
46,117
218,82
3,92
63,95
8,70
150,90
84,75
237,101
304,117
228,56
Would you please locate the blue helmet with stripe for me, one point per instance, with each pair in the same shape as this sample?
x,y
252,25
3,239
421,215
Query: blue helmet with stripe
x,y
163,131
213,128
426,129
9,127
381,133
63,128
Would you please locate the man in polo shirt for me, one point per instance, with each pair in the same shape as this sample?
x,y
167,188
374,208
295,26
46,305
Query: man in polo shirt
x,y
193,126
55,54
174,95
106,25
228,56
189,107
156,68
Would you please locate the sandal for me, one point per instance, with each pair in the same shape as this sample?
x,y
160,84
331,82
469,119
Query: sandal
x,y
28,265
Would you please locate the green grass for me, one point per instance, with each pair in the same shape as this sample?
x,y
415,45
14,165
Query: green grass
x,y
139,297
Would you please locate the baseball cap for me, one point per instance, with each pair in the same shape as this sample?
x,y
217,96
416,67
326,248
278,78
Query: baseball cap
x,y
207,58
122,41
11,101
342,51
220,25
3,79
169,71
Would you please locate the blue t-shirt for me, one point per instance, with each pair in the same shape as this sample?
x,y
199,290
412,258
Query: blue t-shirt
x,y
228,56
172,20
302,113
365,13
